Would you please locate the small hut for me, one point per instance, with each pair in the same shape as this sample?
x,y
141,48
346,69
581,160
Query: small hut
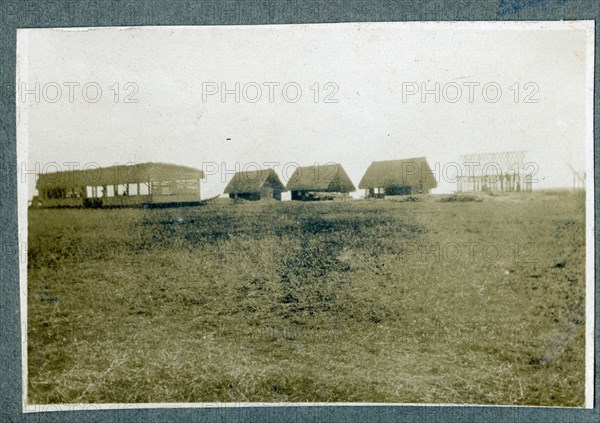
x,y
310,182
398,177
255,185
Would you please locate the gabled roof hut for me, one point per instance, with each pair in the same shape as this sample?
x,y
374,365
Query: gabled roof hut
x,y
330,178
398,177
255,185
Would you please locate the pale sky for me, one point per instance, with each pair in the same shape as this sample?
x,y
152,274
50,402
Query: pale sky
x,y
368,63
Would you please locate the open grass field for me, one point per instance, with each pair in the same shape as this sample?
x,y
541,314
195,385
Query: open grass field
x,y
359,301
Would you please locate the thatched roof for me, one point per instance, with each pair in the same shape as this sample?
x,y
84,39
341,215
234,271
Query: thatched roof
x,y
115,175
327,178
395,173
252,181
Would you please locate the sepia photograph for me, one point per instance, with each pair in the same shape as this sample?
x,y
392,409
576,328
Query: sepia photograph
x,y
346,213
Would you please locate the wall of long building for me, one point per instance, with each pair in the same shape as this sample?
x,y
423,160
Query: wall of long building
x,y
177,191
131,201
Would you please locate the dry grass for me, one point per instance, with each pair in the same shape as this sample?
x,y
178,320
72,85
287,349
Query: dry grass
x,y
346,301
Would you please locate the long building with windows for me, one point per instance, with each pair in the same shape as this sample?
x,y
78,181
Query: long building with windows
x,y
119,186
